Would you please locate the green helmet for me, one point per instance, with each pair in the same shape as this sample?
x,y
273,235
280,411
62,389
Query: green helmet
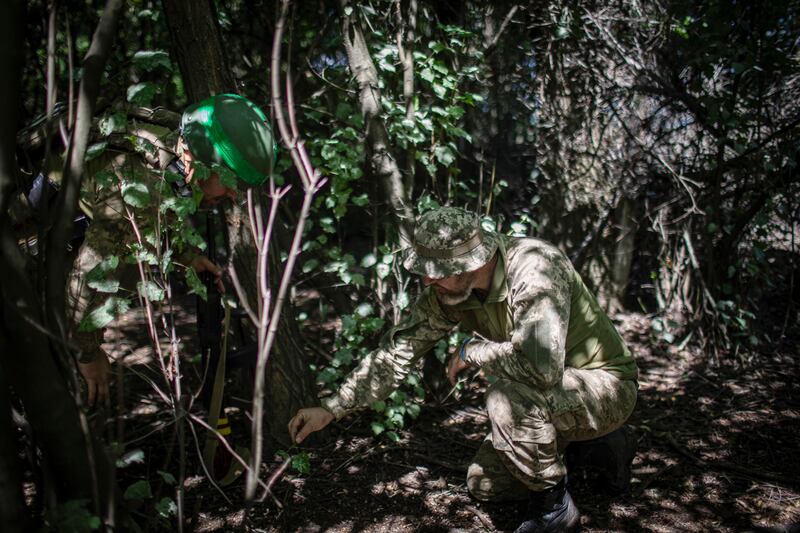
x,y
449,241
231,130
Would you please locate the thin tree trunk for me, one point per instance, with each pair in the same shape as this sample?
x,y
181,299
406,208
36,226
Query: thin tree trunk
x,y
12,506
405,47
290,384
32,354
383,164
197,45
93,66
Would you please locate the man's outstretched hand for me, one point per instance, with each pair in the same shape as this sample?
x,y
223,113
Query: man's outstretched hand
x,y
97,374
307,421
454,367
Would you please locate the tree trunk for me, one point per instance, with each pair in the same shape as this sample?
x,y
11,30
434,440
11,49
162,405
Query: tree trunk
x,y
290,384
12,506
32,356
197,46
383,165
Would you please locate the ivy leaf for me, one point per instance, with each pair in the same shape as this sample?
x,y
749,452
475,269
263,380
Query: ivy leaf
x,y
108,286
167,477
95,150
439,90
166,507
150,290
378,428
152,59
103,268
445,155
102,315
427,75
382,270
115,123
142,93
226,176
301,463
135,194
310,265
131,457
139,490
195,285
201,171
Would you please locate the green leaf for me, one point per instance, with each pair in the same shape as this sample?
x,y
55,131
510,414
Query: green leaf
x,y
440,90
226,176
103,268
378,407
95,150
444,155
378,428
150,290
382,270
364,310
107,286
142,93
369,260
167,477
115,123
135,194
131,457
360,200
105,313
73,516
301,463
139,490
310,265
427,75
195,285
152,59
166,507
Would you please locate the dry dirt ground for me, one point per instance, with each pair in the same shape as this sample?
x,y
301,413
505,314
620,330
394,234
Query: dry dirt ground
x,y
718,451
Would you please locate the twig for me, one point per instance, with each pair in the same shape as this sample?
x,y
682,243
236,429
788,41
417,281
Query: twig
x,y
483,517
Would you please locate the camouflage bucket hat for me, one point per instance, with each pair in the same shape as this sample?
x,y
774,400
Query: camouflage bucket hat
x,y
449,241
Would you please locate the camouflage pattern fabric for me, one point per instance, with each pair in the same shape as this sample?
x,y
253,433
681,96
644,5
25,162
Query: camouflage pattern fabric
x,y
537,325
449,241
111,232
531,428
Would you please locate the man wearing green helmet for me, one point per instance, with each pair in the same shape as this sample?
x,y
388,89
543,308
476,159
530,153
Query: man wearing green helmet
x,y
222,138
563,373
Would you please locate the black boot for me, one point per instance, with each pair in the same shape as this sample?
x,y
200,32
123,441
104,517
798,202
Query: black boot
x,y
551,511
608,457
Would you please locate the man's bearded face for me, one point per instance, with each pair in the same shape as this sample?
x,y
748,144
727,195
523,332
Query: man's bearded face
x,y
452,290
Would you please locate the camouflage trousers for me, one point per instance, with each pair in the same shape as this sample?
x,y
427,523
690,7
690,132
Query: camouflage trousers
x,y
531,429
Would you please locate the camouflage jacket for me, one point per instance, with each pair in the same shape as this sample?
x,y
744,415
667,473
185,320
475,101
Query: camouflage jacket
x,y
537,318
119,186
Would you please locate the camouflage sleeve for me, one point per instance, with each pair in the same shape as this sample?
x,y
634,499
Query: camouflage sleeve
x,y
380,372
540,305
106,236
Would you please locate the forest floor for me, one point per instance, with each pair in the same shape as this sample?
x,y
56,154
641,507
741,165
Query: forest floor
x,y
719,450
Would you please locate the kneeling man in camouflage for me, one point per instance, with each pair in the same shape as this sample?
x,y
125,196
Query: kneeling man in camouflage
x,y
563,373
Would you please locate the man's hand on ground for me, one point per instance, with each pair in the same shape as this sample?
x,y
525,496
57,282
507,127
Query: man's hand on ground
x,y
202,263
307,421
97,374
454,366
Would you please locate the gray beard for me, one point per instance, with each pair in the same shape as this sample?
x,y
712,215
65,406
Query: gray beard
x,y
454,299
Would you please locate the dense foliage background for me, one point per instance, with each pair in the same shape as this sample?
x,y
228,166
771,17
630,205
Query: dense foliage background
x,y
656,143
